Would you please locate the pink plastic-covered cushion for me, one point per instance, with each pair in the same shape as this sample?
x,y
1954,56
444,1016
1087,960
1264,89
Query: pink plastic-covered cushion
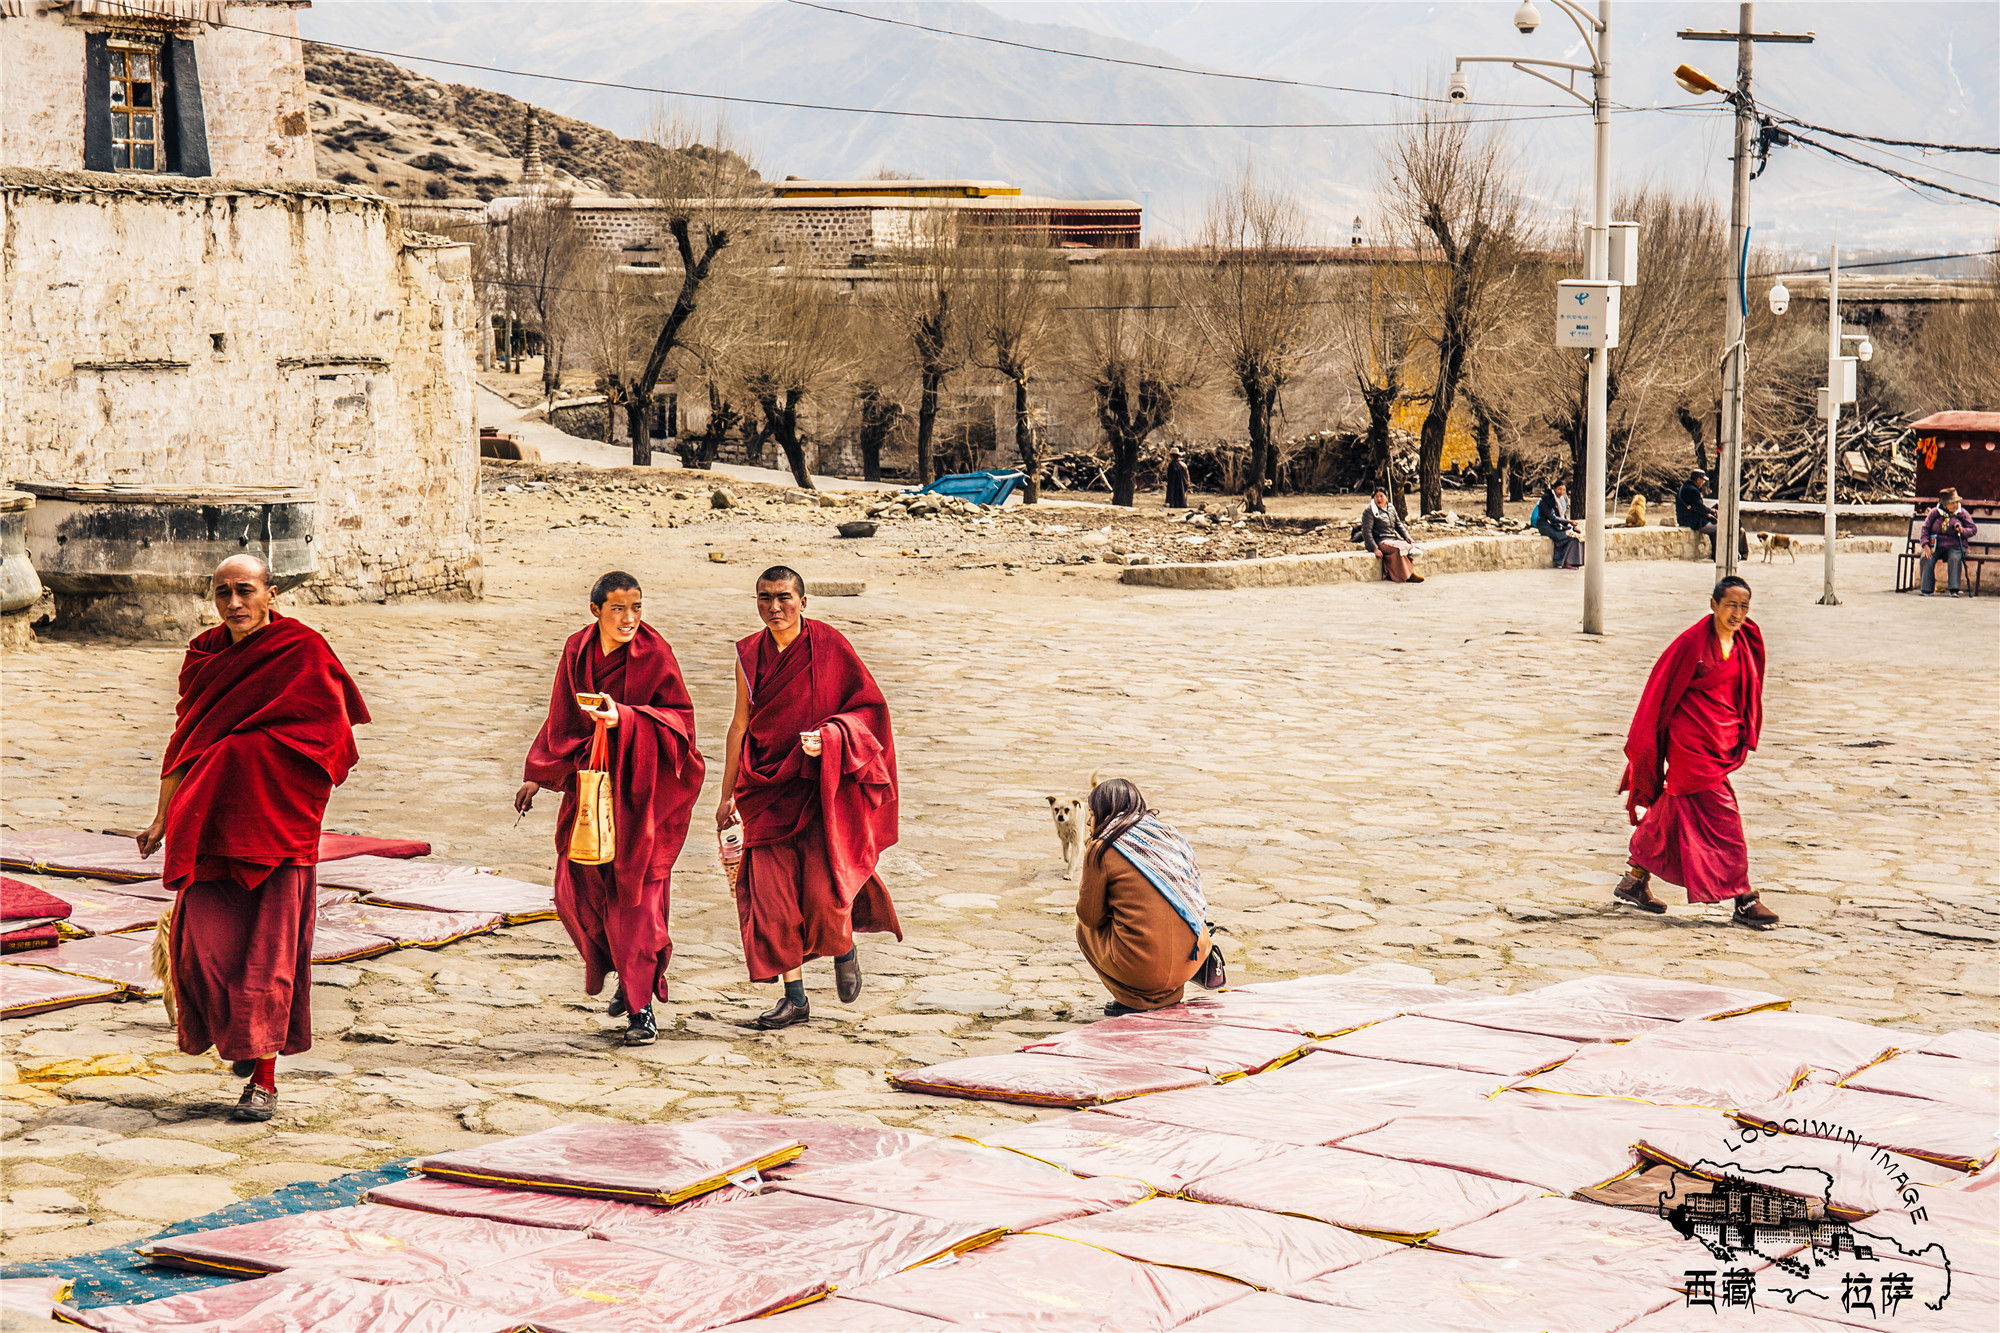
x,y
528,1208
1346,988
295,1303
660,1164
342,944
26,990
1268,1312
605,1286
1720,1079
1851,1182
1046,1080
1216,1049
1525,1013
122,960
841,1244
1166,1157
1654,997
1973,1084
440,888
1306,1015
369,1242
1456,1293
407,927
827,1142
1557,1150
1965,1044
962,1182
1620,1241
1041,1282
1834,1047
839,1314
1379,1196
1250,1245
1247,1108
1384,1083
95,911
340,846
1943,1132
1433,1041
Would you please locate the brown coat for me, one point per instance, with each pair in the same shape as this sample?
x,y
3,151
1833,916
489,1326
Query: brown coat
x,y
1131,935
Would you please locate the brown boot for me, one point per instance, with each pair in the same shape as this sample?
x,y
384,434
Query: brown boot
x,y
1635,888
256,1103
1750,911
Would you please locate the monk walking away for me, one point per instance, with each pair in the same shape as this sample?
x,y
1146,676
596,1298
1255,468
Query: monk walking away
x,y
1697,721
619,674
263,733
811,774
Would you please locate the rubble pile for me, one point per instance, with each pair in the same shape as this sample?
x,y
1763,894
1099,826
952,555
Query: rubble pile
x,y
1876,450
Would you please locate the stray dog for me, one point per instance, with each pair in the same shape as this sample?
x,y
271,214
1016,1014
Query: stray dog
x,y
163,962
1635,517
1071,815
1778,541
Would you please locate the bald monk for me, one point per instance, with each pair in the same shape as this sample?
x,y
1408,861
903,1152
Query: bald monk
x,y
264,732
811,771
630,683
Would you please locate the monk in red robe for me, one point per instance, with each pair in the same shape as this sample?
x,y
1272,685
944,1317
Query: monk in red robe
x,y
1697,722
616,913
264,732
812,775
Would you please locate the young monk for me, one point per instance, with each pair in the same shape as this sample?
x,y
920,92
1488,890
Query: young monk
x,y
616,913
811,772
263,733
1141,915
1697,722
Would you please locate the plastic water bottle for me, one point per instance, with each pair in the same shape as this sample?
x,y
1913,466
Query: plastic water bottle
x,y
729,843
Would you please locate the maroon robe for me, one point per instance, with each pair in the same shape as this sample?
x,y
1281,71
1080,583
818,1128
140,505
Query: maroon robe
x,y
813,828
264,732
617,914
1696,723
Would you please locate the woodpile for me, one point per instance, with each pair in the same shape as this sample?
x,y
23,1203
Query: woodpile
x,y
1320,463
1876,461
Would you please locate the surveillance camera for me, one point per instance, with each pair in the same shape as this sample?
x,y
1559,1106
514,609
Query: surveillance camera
x,y
1866,351
1460,90
1526,19
1781,297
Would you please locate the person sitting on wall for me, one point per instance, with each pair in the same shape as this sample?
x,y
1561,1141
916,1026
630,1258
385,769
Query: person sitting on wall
x,y
1692,511
1382,532
1552,520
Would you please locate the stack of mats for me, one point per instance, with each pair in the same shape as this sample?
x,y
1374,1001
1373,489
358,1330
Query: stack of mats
x,y
1255,1172
80,942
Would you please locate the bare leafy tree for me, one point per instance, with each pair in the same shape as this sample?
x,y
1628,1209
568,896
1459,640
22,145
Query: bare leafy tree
x,y
926,301
607,323
1452,194
1377,322
1259,308
1139,359
1955,362
795,342
1015,284
706,201
542,255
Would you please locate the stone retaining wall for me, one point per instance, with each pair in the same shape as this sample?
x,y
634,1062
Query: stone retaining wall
x,y
1453,555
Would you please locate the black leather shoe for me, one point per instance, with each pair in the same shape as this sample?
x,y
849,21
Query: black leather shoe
x,y
785,1013
618,1008
243,1068
847,976
641,1029
1117,1010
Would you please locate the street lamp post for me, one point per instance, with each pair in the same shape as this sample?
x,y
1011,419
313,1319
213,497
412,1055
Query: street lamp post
x,y
1596,35
1840,388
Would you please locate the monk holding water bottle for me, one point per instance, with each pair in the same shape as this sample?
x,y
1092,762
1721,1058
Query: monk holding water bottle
x,y
811,781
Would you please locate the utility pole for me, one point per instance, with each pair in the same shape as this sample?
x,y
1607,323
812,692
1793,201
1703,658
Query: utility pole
x,y
1831,410
1729,449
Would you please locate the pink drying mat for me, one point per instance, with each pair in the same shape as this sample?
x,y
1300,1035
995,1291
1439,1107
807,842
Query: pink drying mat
x,y
303,1303
123,960
1974,1084
113,856
26,989
827,1142
95,911
661,1164
1654,997
1273,1012
1214,1049
1246,1108
606,1286
1543,1018
961,1182
1943,1132
368,1241
408,927
338,944
1045,1080
1557,1150
1166,1157
1378,1196
1261,1248
1432,1041
1042,1282
1851,1182
1833,1047
528,1208
1720,1079
1385,1083
1456,1293
841,1244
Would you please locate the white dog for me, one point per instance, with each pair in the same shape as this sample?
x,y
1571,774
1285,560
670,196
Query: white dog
x,y
1778,541
1068,813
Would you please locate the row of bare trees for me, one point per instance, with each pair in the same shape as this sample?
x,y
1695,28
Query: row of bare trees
x,y
1449,328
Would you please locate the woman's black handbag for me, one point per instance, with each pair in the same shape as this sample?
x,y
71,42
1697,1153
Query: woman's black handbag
x,y
1212,976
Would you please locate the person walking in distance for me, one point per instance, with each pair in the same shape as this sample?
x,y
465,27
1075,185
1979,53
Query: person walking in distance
x,y
620,673
1697,721
811,773
263,733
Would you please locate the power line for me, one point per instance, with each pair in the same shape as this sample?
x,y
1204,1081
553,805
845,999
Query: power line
x,y
1142,64
1914,182
1893,143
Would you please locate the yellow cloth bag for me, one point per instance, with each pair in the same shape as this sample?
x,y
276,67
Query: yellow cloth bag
x,y
593,839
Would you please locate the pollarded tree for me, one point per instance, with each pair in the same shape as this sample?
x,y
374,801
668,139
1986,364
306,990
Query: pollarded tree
x,y
1015,282
1259,308
795,341
1376,319
925,299
1140,359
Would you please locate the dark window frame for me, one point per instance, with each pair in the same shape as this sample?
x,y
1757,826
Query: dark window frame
x,y
180,131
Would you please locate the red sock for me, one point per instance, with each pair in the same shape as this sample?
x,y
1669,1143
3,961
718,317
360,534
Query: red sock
x,y
265,1075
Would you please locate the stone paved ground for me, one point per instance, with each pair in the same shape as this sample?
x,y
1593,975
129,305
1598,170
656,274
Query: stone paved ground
x,y
1417,775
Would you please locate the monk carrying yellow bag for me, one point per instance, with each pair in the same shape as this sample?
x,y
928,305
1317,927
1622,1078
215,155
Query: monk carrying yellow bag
x,y
593,841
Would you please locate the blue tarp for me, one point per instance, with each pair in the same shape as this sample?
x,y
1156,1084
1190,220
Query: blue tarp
x,y
986,488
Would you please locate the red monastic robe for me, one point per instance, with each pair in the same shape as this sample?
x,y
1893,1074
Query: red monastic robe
x,y
813,829
264,731
617,914
1696,723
